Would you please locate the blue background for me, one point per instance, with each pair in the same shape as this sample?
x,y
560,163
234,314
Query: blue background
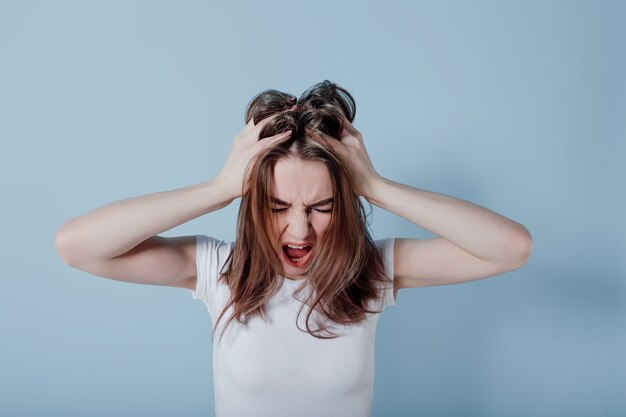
x,y
515,106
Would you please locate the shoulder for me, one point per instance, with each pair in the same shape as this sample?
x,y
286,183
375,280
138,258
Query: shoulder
x,y
385,247
211,254
210,243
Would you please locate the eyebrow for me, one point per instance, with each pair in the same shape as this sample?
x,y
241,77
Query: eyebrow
x,y
319,203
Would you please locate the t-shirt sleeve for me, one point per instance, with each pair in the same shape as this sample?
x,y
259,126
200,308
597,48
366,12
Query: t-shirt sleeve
x,y
211,255
386,249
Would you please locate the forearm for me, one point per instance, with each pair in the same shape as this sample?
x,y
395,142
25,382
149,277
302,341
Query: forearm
x,y
117,227
475,229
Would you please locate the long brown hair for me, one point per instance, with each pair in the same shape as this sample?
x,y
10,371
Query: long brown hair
x,y
346,271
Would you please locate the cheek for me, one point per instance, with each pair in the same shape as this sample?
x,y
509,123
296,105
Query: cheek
x,y
322,225
279,227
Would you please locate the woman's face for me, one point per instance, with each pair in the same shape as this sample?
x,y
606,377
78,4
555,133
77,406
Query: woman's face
x,y
302,205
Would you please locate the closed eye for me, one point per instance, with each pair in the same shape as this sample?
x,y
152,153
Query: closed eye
x,y
277,210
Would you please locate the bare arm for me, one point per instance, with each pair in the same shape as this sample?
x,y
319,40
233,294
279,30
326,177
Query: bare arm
x,y
479,231
472,243
116,228
120,240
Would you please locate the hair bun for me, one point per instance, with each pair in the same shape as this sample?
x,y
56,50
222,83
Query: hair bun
x,y
321,107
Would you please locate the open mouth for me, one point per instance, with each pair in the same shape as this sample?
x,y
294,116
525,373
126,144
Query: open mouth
x,y
297,256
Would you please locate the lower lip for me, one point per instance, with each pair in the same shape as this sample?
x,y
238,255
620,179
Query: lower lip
x,y
299,264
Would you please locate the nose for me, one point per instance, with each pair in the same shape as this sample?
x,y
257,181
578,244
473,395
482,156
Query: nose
x,y
298,226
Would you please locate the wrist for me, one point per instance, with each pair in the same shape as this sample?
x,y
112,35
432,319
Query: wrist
x,y
225,189
371,189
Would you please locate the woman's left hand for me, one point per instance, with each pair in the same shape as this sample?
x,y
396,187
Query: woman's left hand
x,y
351,149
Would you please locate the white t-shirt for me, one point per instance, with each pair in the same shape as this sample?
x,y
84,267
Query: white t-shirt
x,y
276,370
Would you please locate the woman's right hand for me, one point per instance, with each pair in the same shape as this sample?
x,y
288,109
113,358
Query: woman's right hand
x,y
246,146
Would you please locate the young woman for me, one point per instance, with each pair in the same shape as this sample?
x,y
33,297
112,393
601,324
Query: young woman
x,y
302,246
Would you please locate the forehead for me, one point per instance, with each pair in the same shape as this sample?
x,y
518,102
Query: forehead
x,y
298,181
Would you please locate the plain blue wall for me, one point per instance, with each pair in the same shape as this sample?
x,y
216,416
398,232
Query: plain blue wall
x,y
516,106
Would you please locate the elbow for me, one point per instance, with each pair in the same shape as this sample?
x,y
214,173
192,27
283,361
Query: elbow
x,y
61,243
522,248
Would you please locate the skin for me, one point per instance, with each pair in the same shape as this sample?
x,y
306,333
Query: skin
x,y
471,242
300,184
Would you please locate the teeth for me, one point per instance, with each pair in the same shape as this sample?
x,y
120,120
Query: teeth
x,y
297,247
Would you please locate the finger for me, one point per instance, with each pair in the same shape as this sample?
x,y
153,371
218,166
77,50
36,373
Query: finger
x,y
350,128
348,136
251,132
327,139
250,125
273,140
265,121
344,134
337,146
346,129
